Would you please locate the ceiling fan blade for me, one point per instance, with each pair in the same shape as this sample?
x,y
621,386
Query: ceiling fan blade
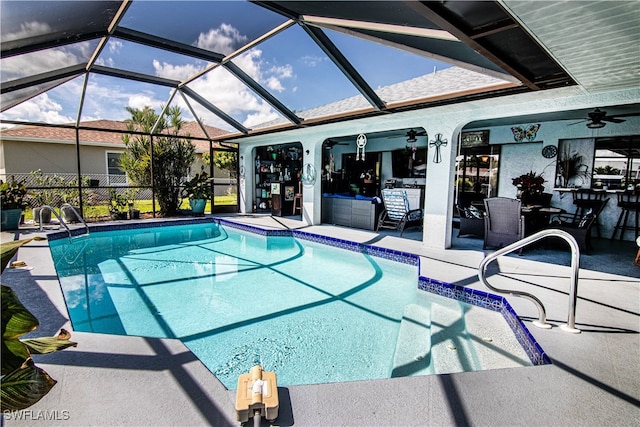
x,y
613,120
577,123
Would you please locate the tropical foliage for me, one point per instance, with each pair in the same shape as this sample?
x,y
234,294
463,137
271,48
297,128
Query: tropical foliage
x,y
23,383
12,194
169,159
199,187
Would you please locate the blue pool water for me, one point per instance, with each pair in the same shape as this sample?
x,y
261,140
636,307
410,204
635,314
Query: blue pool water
x,y
310,312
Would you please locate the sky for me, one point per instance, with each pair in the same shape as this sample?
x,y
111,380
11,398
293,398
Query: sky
x,y
289,65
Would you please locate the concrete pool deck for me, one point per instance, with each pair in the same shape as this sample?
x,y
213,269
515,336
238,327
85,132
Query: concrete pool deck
x,y
593,380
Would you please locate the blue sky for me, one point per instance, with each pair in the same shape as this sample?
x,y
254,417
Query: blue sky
x,y
289,65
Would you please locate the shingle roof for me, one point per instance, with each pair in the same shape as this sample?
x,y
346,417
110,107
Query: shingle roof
x,y
448,81
46,133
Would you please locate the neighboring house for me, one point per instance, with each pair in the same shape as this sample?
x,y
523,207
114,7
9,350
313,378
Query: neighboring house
x,y
53,150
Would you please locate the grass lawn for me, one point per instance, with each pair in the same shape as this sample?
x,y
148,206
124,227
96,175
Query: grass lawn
x,y
143,206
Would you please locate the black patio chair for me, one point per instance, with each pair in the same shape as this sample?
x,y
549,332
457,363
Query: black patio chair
x,y
580,228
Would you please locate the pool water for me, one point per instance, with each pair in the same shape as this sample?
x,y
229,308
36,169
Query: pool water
x,y
311,312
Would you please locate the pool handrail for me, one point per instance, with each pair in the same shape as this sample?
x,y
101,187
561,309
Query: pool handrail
x,y
575,266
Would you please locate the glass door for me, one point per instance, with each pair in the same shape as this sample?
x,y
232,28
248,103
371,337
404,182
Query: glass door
x,y
224,169
477,170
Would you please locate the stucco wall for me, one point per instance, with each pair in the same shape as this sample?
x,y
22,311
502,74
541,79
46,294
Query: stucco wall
x,y
23,157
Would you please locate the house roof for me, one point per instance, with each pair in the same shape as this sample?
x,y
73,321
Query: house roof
x,y
90,133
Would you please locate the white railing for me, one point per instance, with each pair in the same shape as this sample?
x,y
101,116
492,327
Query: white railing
x,y
575,266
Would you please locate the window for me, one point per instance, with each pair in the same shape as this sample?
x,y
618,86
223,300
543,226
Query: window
x,y
115,173
616,162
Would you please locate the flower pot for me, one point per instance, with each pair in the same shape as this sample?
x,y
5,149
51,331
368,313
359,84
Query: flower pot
x,y
197,206
46,215
10,219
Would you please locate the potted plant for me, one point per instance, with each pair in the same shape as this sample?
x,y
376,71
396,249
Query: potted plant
x,y
13,195
198,191
529,185
118,204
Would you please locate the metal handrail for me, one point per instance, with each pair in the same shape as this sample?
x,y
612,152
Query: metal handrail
x,y
62,222
575,266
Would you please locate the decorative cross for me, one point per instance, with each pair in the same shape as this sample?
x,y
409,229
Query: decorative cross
x,y
438,142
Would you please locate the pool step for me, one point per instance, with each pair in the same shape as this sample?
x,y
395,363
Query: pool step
x,y
413,355
451,347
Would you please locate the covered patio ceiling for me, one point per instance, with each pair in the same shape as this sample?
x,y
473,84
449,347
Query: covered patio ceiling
x,y
252,67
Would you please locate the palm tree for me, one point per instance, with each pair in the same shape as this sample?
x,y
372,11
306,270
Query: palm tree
x,y
172,155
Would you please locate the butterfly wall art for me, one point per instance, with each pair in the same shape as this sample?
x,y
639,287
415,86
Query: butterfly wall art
x,y
525,133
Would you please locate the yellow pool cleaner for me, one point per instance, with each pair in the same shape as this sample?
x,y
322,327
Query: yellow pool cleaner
x,y
257,396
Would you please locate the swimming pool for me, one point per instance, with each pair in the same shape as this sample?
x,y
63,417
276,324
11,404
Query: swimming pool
x,y
311,312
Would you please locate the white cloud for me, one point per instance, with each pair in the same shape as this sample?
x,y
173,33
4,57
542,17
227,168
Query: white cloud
x,y
140,101
175,72
114,46
313,61
39,109
224,39
28,29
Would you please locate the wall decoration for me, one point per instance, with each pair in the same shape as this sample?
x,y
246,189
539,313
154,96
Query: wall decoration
x,y
437,143
549,151
572,168
475,138
361,142
308,177
525,133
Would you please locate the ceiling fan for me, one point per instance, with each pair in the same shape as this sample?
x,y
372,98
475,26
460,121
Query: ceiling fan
x,y
597,118
412,134
332,142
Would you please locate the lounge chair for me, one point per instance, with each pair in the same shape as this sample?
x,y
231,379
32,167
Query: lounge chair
x,y
396,214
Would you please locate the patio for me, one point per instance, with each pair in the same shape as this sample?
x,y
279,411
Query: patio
x,y
116,380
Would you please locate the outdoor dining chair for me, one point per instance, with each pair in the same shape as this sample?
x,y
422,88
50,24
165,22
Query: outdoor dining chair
x,y
503,222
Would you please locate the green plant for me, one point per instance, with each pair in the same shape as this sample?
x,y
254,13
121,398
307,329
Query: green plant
x,y
118,202
12,194
48,194
198,187
172,155
23,383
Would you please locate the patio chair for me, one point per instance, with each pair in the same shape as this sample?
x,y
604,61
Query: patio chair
x,y
471,221
580,228
503,222
396,214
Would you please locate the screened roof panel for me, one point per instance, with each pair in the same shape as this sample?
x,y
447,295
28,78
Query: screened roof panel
x,y
27,24
399,65
230,95
387,12
34,63
138,58
107,97
291,66
451,51
275,57
16,97
217,26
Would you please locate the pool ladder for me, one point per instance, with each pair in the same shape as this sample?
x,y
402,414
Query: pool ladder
x,y
575,266
63,223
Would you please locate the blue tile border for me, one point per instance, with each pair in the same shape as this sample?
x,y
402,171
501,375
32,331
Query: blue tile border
x,y
470,296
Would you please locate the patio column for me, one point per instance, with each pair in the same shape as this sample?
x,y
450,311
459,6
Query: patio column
x,y
440,182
